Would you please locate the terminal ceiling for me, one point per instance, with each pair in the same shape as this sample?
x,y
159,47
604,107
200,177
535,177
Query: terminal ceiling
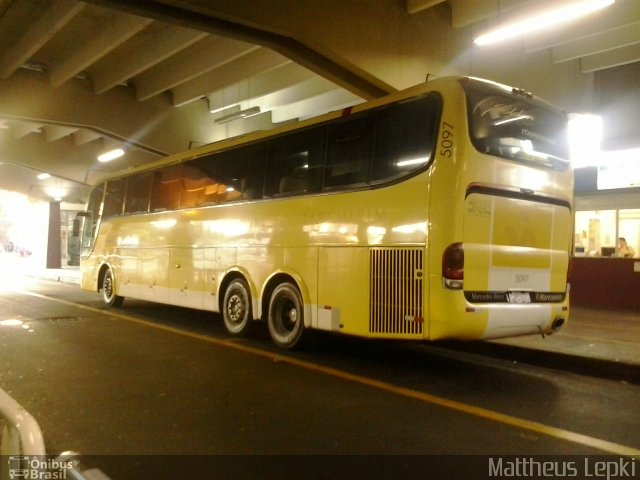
x,y
159,77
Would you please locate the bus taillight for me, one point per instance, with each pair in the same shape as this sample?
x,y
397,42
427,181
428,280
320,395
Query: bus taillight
x,y
453,266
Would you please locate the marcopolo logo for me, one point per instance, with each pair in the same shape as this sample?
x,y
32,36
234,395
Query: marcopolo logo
x,y
37,468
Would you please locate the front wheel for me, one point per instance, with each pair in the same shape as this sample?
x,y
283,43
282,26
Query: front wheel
x,y
109,290
236,308
286,316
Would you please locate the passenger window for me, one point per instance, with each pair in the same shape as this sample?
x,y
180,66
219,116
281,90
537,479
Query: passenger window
x,y
239,173
349,153
243,172
114,199
200,185
138,193
167,188
405,135
296,164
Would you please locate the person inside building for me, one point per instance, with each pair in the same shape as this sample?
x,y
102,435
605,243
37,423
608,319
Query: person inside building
x,y
625,250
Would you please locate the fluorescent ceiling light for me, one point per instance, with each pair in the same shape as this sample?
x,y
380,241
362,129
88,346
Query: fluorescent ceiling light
x,y
585,138
43,176
56,193
111,155
545,19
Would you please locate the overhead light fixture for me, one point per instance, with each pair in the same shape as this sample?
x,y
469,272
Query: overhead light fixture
x,y
56,193
111,155
545,19
236,115
43,176
585,139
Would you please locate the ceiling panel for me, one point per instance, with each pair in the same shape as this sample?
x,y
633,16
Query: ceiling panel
x,y
148,74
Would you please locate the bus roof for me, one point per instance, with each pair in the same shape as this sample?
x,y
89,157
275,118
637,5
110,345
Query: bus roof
x,y
228,143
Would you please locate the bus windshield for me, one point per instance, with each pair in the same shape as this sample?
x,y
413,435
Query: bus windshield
x,y
516,127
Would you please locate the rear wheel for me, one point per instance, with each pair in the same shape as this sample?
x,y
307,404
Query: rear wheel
x,y
286,316
109,290
236,308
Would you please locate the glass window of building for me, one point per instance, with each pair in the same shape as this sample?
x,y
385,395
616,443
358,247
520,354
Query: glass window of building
x,y
595,234
607,233
629,231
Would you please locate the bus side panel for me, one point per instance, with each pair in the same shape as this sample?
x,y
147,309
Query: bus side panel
x,y
305,260
153,274
257,264
89,273
186,277
343,290
447,308
211,258
125,264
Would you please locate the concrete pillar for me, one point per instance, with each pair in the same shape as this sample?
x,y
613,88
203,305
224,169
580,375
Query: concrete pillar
x,y
53,243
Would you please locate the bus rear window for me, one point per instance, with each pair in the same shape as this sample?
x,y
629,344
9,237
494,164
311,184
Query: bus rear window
x,y
517,127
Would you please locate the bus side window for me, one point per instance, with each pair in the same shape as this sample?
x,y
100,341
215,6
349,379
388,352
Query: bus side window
x,y
167,188
239,173
296,164
114,200
198,186
202,184
249,170
138,193
349,153
405,135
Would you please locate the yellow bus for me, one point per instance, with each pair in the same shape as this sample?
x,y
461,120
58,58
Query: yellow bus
x,y
443,211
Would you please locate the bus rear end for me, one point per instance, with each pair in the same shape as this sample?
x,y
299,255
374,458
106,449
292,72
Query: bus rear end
x,y
505,260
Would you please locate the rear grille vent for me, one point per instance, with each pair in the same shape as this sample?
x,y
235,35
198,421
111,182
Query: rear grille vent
x,y
396,291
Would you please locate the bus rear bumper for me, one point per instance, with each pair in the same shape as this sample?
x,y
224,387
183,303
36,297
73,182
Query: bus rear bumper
x,y
453,316
515,320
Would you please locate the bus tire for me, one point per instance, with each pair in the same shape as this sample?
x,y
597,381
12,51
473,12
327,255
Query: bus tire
x,y
236,308
286,316
109,290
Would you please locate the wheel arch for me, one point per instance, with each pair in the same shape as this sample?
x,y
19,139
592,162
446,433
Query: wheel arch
x,y
101,274
229,276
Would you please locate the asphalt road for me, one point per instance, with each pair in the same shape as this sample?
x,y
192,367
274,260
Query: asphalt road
x,y
150,380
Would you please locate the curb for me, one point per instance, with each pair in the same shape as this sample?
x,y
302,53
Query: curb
x,y
67,280
587,366
58,278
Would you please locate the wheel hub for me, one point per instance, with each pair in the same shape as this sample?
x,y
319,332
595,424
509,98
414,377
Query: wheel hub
x,y
235,308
